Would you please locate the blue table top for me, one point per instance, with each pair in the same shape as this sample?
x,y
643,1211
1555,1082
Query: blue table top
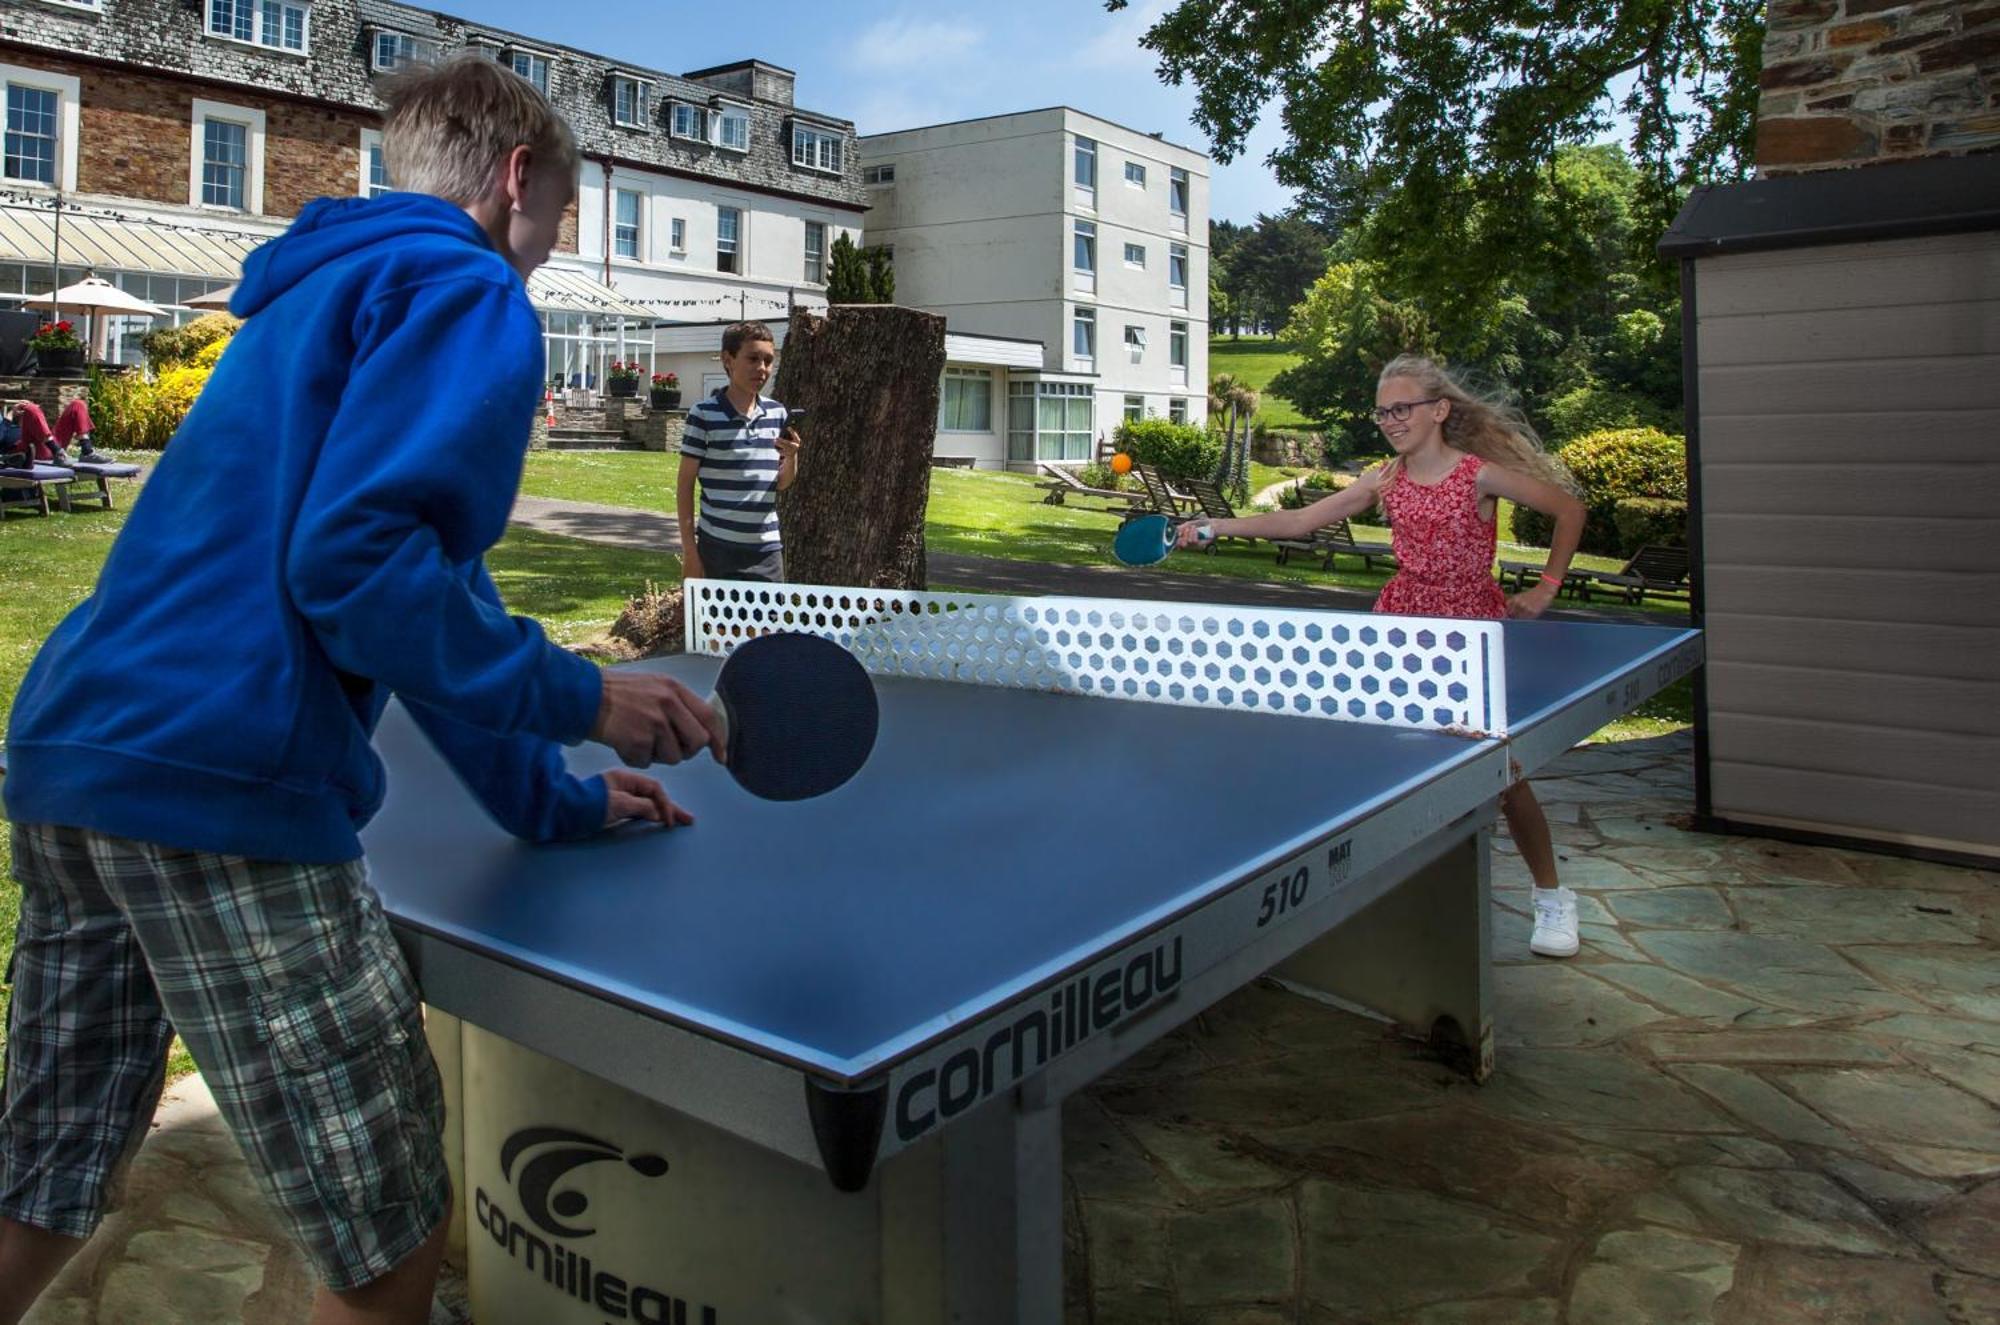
x,y
996,838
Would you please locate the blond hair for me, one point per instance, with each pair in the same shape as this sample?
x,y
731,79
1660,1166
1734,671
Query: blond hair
x,y
450,124
1486,425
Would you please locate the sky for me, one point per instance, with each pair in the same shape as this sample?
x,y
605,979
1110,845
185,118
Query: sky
x,y
899,65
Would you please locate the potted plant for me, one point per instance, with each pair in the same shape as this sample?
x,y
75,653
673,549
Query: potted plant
x,y
666,390
57,350
624,378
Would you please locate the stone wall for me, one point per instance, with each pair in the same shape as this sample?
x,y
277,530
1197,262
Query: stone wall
x,y
657,430
1848,82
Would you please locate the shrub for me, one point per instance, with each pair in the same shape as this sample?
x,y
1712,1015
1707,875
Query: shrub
x,y
1650,521
1101,476
1610,467
129,411
1178,450
1598,408
1318,484
166,346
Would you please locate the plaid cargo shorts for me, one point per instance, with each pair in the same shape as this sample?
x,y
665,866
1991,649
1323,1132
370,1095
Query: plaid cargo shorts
x,y
289,991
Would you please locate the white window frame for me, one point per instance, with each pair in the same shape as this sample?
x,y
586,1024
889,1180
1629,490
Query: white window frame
x,y
1135,256
422,50
1080,317
1177,352
817,149
253,166
1179,183
885,173
825,252
514,55
1083,244
1177,409
638,227
719,119
88,6
674,115
641,95
677,237
1082,148
740,249
964,376
69,96
1177,291
371,141
1135,342
1135,408
256,37
1138,181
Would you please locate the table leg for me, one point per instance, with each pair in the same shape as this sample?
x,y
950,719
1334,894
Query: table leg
x,y
1421,956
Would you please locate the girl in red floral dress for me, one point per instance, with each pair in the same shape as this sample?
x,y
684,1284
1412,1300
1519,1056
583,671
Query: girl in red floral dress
x,y
1457,455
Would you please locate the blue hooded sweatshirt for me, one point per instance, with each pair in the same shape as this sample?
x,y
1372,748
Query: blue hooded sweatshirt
x,y
309,544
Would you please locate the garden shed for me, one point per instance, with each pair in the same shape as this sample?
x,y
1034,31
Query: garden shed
x,y
1842,342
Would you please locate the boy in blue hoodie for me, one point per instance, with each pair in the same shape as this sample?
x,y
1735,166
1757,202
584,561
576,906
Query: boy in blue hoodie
x,y
189,756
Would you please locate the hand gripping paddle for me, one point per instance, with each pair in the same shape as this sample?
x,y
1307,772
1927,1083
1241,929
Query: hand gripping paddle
x,y
1144,541
798,715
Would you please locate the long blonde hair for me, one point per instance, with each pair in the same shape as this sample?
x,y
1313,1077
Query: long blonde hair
x,y
1485,425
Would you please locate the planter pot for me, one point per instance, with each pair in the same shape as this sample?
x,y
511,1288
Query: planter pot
x,y
622,387
59,363
665,398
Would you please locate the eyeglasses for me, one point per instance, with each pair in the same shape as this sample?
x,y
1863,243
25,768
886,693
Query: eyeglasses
x,y
1400,411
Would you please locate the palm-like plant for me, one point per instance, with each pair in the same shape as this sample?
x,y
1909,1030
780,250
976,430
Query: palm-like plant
x,y
1234,402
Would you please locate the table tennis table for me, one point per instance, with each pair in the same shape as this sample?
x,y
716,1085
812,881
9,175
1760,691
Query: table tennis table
x,y
805,1061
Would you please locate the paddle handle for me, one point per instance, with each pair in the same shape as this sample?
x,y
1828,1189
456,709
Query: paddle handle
x,y
721,711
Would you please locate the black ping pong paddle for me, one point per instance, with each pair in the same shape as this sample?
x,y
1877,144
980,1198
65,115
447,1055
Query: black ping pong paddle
x,y
798,714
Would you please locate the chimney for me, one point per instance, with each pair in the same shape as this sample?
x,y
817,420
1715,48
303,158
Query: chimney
x,y
1855,82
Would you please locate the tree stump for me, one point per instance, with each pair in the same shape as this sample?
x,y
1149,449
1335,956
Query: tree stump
x,y
869,376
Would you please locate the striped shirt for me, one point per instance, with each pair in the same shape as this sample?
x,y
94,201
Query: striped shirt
x,y
739,468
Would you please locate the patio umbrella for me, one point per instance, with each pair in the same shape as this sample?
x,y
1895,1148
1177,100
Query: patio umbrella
x,y
94,295
213,299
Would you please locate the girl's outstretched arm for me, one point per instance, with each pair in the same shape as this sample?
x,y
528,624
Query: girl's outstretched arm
x,y
1499,481
1353,499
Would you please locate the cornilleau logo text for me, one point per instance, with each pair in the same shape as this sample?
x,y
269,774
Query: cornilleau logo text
x,y
1076,1009
544,1156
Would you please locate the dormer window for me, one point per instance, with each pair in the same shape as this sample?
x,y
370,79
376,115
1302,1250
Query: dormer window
x,y
815,149
530,65
732,128
628,101
689,122
396,50
278,24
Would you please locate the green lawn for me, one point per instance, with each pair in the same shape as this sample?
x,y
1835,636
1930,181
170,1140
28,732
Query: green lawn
x,y
576,589
1256,360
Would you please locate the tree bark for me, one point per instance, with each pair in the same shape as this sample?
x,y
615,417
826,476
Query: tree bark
x,y
868,375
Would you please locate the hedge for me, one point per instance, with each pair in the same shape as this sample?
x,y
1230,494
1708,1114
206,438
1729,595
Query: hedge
x,y
1177,450
1650,521
1610,467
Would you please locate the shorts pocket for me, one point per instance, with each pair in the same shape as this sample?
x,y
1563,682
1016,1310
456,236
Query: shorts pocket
x,y
343,1056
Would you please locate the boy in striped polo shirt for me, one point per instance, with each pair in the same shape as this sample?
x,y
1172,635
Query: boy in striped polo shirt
x,y
741,445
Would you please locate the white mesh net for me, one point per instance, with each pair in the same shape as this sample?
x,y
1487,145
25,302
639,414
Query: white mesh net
x,y
1426,672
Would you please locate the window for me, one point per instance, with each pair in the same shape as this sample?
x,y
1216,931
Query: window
x,y
1177,351
1135,256
882,174
374,171
533,67
1135,408
1177,274
628,102
1084,259
625,228
1135,174
1135,342
41,127
728,245
1177,196
965,401
397,50
690,122
1084,171
1177,408
733,131
815,252
1063,421
1083,334
815,149
226,165
274,23
32,114
677,241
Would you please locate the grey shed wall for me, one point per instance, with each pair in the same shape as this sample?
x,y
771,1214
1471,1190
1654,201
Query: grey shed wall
x,y
1848,423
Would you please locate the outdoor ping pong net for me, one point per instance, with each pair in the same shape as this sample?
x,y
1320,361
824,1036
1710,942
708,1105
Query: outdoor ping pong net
x,y
1429,673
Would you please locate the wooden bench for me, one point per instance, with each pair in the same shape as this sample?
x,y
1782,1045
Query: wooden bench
x,y
1661,572
1329,541
1062,484
35,484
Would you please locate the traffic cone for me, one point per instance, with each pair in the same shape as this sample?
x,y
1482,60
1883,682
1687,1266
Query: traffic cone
x,y
549,401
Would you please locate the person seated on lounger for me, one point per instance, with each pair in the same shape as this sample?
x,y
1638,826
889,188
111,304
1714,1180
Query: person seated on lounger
x,y
27,440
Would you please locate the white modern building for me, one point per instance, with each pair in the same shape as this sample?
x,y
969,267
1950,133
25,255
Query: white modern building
x,y
1059,229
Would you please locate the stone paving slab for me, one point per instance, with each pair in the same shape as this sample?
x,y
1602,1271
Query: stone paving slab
x,y
1766,1093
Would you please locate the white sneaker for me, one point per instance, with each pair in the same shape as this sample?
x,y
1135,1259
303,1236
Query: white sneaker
x,y
1555,923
